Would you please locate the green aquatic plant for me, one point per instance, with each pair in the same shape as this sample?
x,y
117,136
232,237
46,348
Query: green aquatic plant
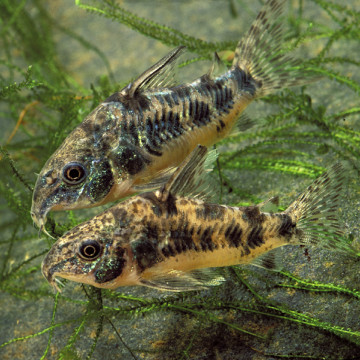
x,y
310,311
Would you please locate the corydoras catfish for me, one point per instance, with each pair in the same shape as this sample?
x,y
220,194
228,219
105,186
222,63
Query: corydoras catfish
x,y
168,239
134,139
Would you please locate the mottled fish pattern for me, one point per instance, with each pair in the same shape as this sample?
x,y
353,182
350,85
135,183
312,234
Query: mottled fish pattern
x,y
135,139
167,240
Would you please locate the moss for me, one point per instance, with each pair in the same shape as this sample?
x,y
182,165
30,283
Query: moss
x,y
298,134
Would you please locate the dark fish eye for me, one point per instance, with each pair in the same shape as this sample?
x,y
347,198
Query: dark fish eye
x,y
90,250
74,173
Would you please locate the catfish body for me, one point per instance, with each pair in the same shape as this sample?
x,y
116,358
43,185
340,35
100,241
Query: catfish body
x,y
165,239
136,138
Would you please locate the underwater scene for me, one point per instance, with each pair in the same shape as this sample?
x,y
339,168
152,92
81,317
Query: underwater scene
x,y
179,179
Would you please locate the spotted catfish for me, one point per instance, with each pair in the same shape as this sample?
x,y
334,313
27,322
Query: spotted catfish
x,y
138,136
166,239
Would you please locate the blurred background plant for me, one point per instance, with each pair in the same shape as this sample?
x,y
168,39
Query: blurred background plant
x,y
58,60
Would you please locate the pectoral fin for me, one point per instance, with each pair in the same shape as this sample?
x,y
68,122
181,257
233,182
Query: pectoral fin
x,y
191,178
176,280
154,181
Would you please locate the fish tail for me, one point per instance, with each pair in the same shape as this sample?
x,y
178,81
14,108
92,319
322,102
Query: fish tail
x,y
315,212
259,53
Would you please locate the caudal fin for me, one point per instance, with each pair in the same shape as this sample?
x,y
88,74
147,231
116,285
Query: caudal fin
x,y
316,211
259,53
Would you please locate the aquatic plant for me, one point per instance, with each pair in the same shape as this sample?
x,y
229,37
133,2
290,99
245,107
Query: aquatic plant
x,y
310,311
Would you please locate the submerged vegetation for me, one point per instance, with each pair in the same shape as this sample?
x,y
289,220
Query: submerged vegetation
x,y
311,312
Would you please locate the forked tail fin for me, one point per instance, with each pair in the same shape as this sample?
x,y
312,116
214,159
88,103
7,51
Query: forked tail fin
x,y
315,212
259,53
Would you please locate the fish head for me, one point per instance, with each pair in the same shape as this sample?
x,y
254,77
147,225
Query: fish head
x,y
93,253
81,173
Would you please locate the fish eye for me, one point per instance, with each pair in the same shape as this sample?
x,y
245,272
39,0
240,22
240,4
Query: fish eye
x,y
74,173
90,250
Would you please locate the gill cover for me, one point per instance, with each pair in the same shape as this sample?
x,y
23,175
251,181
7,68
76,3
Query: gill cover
x,y
78,183
91,257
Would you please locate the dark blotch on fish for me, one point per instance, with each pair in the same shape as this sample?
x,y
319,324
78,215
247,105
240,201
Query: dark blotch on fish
x,y
183,240
210,212
202,115
170,205
121,216
255,237
111,269
145,253
154,142
129,158
167,98
222,124
152,231
246,82
168,250
206,242
102,182
233,234
253,215
177,128
287,226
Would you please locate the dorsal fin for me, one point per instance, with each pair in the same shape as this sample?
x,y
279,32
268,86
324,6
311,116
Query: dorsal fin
x,y
190,177
159,75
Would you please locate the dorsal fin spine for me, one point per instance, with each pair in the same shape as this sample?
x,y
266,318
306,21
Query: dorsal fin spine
x,y
156,75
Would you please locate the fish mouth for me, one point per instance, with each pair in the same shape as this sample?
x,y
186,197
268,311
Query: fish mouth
x,y
40,222
52,279
51,272
56,284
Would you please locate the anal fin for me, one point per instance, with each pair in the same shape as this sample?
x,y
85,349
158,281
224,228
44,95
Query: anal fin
x,y
243,123
269,260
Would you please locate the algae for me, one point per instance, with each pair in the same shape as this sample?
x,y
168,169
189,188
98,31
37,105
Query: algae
x,y
58,61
